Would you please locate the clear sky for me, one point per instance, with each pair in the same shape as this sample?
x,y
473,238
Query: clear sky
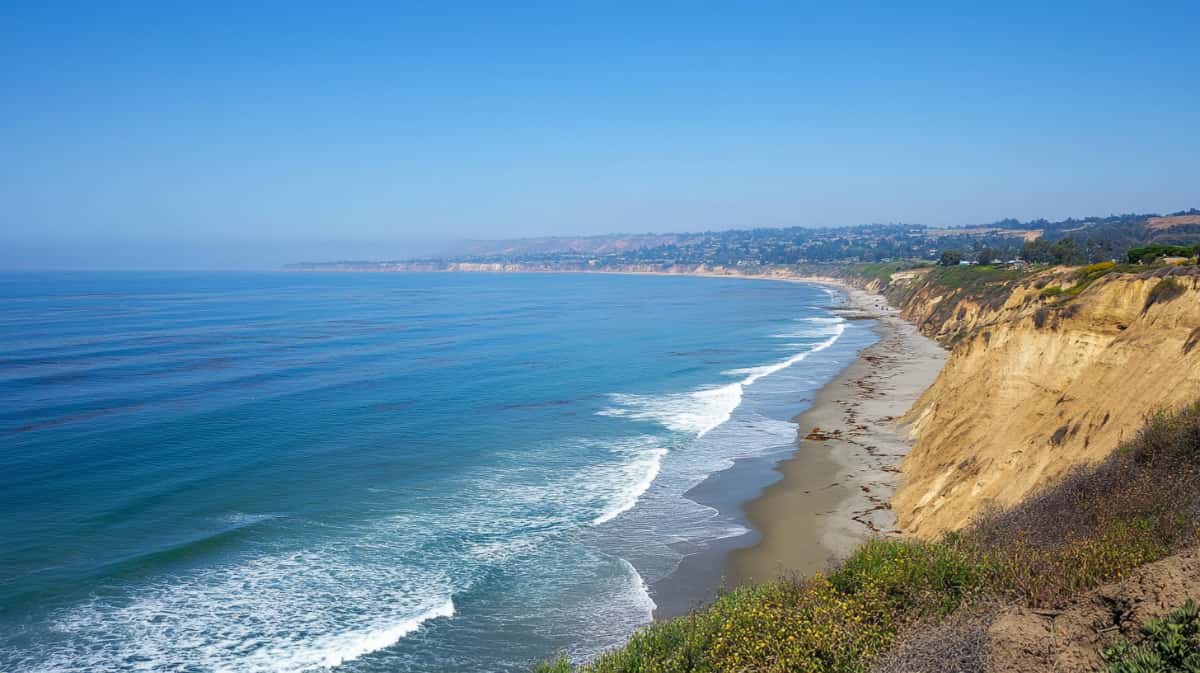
x,y
244,135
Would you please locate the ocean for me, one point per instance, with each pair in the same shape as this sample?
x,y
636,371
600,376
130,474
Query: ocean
x,y
242,472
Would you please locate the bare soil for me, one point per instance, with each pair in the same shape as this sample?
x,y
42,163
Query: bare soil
x,y
1028,640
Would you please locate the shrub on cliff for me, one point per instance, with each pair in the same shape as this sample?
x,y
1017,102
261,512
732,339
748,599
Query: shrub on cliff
x,y
1169,437
1084,277
1099,522
792,624
838,622
1163,291
918,579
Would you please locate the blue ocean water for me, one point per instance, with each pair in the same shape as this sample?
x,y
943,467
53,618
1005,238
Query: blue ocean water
x,y
375,472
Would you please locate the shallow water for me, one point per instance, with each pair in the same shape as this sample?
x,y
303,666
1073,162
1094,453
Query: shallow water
x,y
377,472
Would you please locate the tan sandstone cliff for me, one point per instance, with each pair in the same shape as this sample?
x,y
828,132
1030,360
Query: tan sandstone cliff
x,y
1036,385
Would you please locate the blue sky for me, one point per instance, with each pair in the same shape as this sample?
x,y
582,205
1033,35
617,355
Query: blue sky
x,y
136,135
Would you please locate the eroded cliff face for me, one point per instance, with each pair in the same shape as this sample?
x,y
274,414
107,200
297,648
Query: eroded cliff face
x,y
1037,385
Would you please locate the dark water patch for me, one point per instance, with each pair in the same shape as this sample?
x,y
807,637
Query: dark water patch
x,y
542,404
701,352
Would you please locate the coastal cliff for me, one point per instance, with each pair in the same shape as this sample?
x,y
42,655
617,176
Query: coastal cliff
x,y
1046,373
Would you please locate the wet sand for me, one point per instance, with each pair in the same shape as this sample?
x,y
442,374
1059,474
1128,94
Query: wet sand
x,y
835,488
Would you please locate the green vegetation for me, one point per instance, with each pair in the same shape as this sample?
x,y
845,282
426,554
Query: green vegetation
x,y
950,258
974,277
1150,253
1064,251
1169,645
838,622
882,271
1163,291
1096,526
1087,275
982,284
790,624
977,276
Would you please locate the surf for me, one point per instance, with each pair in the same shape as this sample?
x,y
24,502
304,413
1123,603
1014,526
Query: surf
x,y
699,412
648,466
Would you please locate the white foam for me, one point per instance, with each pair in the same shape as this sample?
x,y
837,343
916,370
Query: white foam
x,y
286,613
499,551
613,607
641,592
702,411
243,519
335,650
753,374
697,412
305,611
813,327
510,510
647,467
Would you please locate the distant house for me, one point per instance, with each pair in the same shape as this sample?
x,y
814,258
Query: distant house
x,y
1176,260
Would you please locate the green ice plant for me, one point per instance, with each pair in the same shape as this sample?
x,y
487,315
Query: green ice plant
x,y
1169,645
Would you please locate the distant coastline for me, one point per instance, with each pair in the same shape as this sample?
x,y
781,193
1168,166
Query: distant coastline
x,y
759,272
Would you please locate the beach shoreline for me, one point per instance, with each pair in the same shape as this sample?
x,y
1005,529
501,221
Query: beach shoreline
x,y
837,485
831,489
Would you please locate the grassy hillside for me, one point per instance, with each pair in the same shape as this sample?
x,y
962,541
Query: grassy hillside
x,y
1099,524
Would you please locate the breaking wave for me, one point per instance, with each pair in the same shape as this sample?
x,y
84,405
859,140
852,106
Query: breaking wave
x,y
701,411
643,470
286,613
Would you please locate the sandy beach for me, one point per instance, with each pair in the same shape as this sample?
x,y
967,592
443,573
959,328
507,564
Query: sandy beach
x,y
835,488
832,491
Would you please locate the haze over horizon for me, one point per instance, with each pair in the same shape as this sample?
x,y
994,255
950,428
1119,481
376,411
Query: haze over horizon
x,y
221,137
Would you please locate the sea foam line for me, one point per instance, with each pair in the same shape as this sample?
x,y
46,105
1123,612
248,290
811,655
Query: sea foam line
x,y
701,411
286,613
649,465
640,589
756,373
335,650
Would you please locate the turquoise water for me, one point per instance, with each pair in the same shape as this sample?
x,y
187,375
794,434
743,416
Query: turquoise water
x,y
391,472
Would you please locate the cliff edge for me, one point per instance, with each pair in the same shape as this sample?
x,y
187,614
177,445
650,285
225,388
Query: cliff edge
x,y
1047,372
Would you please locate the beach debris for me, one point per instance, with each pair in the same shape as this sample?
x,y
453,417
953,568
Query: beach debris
x,y
820,435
